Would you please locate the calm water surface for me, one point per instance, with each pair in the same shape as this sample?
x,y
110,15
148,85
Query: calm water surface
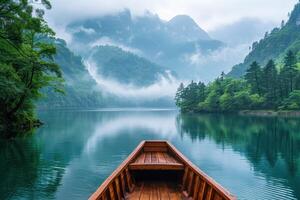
x,y
69,157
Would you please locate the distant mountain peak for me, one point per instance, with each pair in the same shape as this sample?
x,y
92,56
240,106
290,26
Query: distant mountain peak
x,y
183,26
182,19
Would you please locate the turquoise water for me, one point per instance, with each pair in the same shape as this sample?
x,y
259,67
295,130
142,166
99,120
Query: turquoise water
x,y
70,156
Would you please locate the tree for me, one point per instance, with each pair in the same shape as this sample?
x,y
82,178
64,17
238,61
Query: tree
x,y
179,94
269,84
253,77
292,102
26,63
288,73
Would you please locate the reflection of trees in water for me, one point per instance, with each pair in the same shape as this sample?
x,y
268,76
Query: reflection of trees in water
x,y
271,144
256,137
22,171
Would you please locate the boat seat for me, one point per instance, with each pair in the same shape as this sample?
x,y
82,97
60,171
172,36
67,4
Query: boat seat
x,y
156,161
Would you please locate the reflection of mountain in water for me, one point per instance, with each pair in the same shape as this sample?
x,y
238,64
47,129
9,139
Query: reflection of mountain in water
x,y
272,145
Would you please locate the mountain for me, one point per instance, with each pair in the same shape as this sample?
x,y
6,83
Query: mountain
x,y
274,45
167,43
80,88
83,91
125,67
184,28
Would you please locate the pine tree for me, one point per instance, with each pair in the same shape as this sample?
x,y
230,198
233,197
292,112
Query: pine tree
x,y
179,94
269,84
253,77
289,71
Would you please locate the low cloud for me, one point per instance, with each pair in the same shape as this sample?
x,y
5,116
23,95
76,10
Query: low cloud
x,y
107,41
209,14
209,66
165,87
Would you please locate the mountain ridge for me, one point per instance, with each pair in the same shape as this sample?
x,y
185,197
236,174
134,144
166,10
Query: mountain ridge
x,y
274,45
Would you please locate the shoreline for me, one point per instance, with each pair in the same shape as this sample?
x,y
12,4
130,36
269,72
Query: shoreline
x,y
270,113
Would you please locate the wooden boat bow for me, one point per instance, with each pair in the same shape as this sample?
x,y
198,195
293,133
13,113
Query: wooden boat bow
x,y
157,170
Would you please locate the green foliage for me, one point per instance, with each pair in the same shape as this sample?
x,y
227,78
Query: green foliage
x,y
188,98
80,90
292,102
262,88
275,46
253,77
26,63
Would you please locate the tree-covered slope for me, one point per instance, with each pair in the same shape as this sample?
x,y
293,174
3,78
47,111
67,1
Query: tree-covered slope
x,y
79,87
125,67
274,45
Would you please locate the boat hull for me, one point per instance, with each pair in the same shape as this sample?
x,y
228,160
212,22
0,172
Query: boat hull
x,y
157,170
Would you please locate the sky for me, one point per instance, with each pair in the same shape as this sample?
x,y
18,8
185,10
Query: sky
x,y
209,14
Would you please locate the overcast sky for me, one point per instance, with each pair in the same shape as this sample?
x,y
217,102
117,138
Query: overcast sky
x,y
209,14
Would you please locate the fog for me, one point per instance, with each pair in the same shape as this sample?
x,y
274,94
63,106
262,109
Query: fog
x,y
209,66
103,41
165,87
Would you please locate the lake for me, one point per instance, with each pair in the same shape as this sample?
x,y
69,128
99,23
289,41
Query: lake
x,y
74,152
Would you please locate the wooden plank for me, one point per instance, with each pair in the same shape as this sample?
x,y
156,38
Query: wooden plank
x,y
155,144
190,181
146,193
172,159
155,149
202,189
217,197
209,193
156,166
186,171
161,158
123,186
111,192
154,158
174,193
163,191
167,157
154,192
141,158
196,188
118,189
129,180
135,195
148,157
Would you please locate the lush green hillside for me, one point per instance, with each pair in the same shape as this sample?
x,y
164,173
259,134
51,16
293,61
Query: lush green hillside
x,y
125,67
80,89
274,45
262,88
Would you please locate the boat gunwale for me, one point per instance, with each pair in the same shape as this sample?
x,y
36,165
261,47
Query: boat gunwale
x,y
185,161
104,186
209,180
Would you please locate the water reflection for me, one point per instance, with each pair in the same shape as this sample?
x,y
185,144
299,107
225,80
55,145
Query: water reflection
x,y
255,158
271,144
24,173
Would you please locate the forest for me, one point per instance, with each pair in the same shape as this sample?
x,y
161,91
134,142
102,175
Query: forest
x,y
268,87
26,63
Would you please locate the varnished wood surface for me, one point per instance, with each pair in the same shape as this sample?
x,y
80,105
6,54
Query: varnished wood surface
x,y
156,160
156,191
